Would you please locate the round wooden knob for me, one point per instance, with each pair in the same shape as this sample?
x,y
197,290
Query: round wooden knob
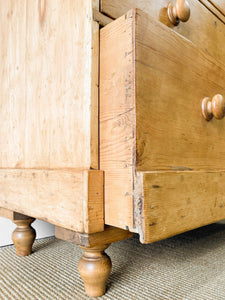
x,y
214,108
179,12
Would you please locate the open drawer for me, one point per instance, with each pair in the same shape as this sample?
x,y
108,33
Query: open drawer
x,y
163,161
205,27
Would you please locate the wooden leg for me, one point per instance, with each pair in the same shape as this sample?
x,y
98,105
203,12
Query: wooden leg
x,y
24,236
95,265
94,268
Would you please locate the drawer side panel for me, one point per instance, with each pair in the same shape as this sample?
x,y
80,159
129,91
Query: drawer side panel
x,y
117,120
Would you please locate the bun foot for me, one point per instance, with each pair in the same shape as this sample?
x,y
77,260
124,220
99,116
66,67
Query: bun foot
x,y
23,236
94,268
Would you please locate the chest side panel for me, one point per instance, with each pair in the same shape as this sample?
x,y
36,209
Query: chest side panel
x,y
46,62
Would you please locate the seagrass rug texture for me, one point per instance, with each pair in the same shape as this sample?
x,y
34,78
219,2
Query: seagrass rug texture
x,y
190,266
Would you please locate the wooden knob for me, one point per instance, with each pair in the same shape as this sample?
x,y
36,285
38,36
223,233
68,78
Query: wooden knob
x,y
214,108
179,12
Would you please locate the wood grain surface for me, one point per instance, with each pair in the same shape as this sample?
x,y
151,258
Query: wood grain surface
x,y
203,27
12,78
69,198
49,84
214,9
12,215
150,120
117,121
107,236
219,4
170,86
175,202
102,19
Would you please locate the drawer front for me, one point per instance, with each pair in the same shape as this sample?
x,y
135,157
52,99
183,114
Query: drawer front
x,y
152,83
117,8
219,4
203,28
180,201
167,77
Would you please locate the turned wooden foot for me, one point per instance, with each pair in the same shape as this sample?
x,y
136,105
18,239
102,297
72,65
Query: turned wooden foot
x,y
94,268
95,265
23,236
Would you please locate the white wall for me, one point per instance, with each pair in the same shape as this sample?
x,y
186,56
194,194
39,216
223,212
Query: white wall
x,y
42,228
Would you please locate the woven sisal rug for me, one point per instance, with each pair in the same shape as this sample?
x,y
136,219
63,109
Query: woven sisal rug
x,y
190,266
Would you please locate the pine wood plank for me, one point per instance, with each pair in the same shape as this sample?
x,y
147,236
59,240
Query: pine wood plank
x,y
117,121
49,90
69,198
12,215
12,78
214,9
101,18
108,236
202,27
94,81
150,113
219,4
170,87
94,205
163,89
177,202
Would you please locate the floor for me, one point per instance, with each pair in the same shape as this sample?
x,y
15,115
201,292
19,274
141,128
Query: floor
x,y
190,266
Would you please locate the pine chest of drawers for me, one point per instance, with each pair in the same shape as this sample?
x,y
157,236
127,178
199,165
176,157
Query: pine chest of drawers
x,y
111,121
